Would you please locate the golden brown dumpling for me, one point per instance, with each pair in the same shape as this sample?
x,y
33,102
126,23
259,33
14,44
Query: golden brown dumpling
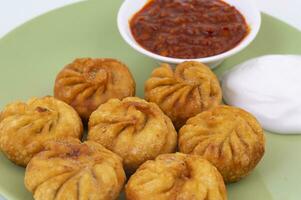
x,y
72,170
229,137
86,83
176,177
25,127
184,92
134,129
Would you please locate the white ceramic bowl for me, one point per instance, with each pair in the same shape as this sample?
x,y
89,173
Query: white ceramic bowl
x,y
246,8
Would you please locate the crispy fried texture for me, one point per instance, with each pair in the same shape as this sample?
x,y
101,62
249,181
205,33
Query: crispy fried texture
x,y
176,177
229,137
184,92
73,170
86,83
134,129
25,127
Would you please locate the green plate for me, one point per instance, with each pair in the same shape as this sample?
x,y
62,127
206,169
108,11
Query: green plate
x,y
32,55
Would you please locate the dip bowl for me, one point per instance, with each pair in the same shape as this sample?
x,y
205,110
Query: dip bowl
x,y
130,7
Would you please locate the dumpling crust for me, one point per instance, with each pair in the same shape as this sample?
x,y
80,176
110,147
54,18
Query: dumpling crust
x,y
25,127
86,83
229,137
176,177
73,170
134,129
184,92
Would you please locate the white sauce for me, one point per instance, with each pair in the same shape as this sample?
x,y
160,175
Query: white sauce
x,y
269,87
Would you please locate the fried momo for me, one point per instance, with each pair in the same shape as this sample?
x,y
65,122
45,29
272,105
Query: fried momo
x,y
25,127
72,170
184,92
176,177
86,83
134,129
229,137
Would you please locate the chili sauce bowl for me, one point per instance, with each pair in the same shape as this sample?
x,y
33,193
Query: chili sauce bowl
x,y
130,7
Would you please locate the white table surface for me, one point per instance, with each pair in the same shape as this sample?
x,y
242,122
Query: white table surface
x,y
15,12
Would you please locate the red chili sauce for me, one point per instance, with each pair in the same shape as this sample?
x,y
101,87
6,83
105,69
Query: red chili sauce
x,y
188,28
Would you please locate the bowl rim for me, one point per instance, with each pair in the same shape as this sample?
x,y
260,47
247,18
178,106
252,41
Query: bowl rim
x,y
242,45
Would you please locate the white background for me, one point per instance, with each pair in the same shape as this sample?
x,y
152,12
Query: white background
x,y
16,12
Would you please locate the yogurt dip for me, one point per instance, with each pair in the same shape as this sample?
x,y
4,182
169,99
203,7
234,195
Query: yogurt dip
x,y
270,88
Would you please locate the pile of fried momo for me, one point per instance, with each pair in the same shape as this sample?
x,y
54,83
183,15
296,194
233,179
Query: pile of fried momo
x,y
26,126
184,92
69,170
86,83
134,129
229,137
131,135
176,177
